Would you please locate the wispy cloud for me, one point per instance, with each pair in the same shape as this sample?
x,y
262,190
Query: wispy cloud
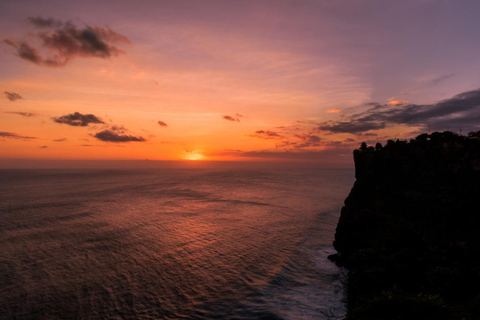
x,y
438,80
64,42
396,102
23,114
338,155
118,128
230,118
60,140
308,140
334,110
44,23
92,145
266,134
13,96
77,119
11,135
162,124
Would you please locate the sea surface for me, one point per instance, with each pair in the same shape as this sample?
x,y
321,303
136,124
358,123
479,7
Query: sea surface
x,y
170,244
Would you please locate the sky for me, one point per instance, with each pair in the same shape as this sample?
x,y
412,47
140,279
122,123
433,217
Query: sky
x,y
299,80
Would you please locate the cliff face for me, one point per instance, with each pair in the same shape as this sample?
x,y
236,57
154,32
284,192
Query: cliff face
x,y
409,232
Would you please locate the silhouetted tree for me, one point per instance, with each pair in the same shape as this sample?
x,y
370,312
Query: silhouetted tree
x,y
450,136
422,137
436,137
473,134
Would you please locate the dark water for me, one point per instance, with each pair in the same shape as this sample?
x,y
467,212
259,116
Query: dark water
x,y
169,244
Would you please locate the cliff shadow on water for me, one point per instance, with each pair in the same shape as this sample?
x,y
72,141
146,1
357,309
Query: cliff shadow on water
x,y
409,233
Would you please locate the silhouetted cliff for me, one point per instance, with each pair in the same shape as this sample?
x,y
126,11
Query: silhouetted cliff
x,y
409,233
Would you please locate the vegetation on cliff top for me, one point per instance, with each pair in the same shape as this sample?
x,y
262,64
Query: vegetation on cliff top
x,y
409,233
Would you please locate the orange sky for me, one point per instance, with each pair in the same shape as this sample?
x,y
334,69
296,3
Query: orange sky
x,y
251,81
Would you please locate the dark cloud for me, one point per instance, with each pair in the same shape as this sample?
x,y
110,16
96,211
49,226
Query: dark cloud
x,y
60,140
12,96
43,147
460,111
44,23
230,118
267,134
162,124
11,135
26,51
23,114
111,136
64,42
78,120
351,126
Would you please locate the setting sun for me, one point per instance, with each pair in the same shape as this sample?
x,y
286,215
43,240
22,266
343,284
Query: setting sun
x,y
193,156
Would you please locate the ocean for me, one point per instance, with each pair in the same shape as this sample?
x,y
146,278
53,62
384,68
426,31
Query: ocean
x,y
170,243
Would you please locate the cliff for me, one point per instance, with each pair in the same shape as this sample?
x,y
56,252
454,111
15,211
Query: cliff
x,y
409,233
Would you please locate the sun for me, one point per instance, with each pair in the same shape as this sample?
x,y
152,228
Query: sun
x,y
193,156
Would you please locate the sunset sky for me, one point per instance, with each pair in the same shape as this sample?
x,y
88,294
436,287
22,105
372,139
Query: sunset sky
x,y
232,80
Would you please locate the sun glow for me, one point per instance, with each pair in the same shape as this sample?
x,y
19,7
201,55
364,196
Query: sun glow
x,y
193,156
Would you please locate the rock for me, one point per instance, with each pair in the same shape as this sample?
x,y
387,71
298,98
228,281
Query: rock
x,y
410,222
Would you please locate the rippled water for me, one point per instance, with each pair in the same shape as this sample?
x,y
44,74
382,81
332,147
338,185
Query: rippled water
x,y
169,244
